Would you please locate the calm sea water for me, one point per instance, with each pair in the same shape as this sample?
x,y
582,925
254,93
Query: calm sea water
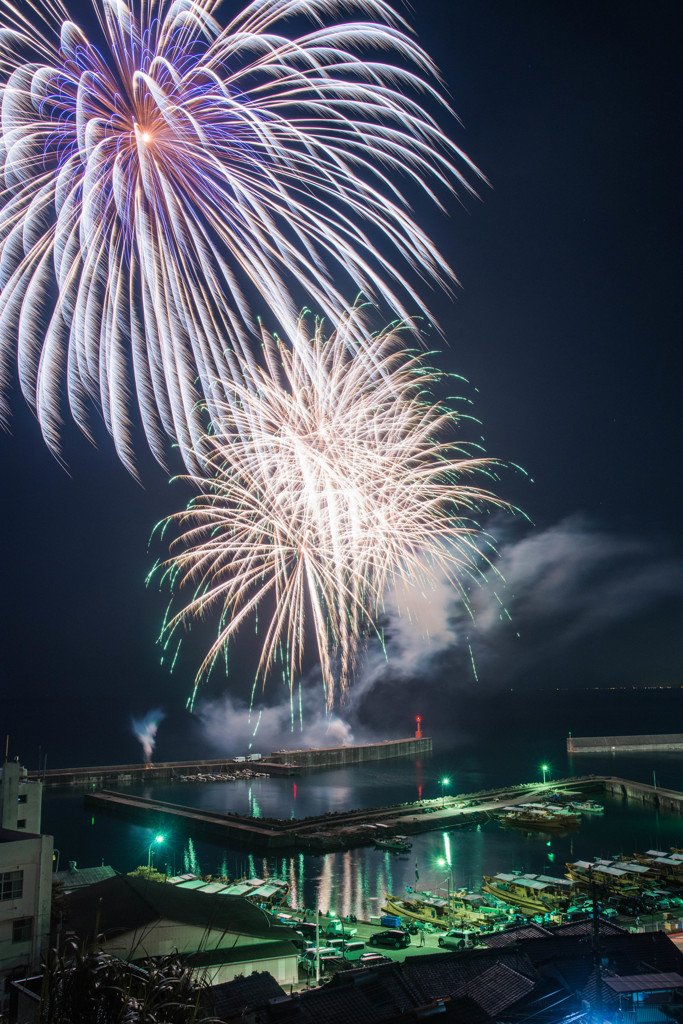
x,y
512,741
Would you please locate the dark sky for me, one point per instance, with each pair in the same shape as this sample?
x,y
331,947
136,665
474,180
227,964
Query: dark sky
x,y
566,324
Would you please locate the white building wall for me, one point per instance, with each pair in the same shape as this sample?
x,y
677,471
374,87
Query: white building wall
x,y
32,857
21,801
166,936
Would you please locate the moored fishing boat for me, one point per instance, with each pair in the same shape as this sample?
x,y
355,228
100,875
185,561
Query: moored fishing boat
x,y
397,844
541,819
531,894
585,807
667,867
476,905
618,878
423,909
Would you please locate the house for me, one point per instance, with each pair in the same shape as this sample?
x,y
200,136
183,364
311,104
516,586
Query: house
x,y
134,918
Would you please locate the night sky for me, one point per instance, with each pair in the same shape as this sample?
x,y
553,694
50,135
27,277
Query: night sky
x,y
566,326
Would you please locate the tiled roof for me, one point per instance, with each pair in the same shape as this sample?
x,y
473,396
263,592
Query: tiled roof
x,y
123,904
497,988
72,880
508,938
232,997
645,982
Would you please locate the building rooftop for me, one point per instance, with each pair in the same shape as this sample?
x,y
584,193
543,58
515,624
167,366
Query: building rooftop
x,y
126,903
13,835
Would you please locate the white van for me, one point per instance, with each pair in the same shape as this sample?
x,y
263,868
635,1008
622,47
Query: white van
x,y
307,958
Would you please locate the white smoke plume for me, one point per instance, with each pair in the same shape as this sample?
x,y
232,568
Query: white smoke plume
x,y
145,729
545,593
231,727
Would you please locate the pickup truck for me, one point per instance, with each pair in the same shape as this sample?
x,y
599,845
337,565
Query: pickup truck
x,y
337,929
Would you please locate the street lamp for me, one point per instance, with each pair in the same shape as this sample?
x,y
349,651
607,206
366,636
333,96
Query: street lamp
x,y
155,841
449,882
444,782
544,769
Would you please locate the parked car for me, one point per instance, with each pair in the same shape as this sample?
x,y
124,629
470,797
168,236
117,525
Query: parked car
x,y
326,954
372,960
392,938
458,938
354,950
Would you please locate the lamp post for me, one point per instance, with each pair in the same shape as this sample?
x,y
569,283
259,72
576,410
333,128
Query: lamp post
x,y
544,769
444,782
443,862
157,839
449,883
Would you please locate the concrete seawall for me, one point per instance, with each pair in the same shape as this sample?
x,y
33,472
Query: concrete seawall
x,y
330,757
667,799
281,762
623,744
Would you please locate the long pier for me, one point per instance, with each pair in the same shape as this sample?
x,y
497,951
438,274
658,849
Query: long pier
x,y
280,762
332,831
345,829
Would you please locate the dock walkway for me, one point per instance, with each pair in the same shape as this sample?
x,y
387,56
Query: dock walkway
x,y
332,831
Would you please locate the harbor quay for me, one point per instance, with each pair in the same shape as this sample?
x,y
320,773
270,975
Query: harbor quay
x,y
363,827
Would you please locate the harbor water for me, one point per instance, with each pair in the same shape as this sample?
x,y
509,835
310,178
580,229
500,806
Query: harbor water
x,y
507,748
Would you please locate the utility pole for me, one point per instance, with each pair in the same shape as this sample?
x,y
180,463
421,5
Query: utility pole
x,y
317,946
597,959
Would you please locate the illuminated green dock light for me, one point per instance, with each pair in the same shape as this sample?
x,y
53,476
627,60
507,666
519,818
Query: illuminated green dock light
x,y
157,839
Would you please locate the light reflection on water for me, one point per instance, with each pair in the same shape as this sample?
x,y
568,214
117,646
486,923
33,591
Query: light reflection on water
x,y
356,881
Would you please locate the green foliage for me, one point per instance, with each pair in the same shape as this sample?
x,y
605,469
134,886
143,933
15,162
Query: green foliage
x,y
151,874
89,986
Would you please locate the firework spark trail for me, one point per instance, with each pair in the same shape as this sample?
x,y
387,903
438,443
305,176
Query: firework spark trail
x,y
332,474
154,180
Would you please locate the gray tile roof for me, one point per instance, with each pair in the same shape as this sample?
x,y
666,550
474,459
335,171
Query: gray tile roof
x,y
497,988
233,997
72,880
122,904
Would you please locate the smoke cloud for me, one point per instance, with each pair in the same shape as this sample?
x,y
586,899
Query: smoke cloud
x,y
145,729
547,595
232,728
544,594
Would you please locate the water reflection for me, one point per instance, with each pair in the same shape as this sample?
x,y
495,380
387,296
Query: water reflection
x,y
357,881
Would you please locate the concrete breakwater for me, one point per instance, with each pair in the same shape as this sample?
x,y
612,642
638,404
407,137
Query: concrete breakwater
x,y
333,757
667,799
334,830
623,744
280,762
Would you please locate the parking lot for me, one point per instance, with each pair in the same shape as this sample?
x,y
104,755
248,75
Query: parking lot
x,y
420,944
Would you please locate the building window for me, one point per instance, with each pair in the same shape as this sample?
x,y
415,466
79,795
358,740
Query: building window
x,y
22,929
21,823
22,798
11,885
